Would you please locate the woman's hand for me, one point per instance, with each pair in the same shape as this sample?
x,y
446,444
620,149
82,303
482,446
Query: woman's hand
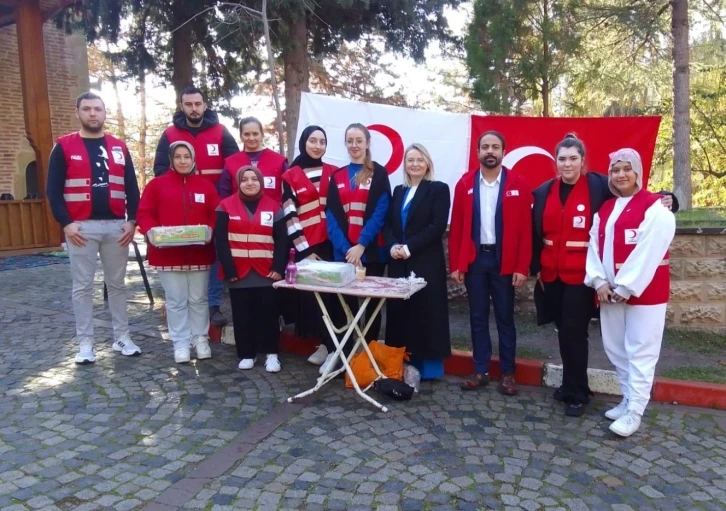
x,y
233,279
617,298
396,251
667,201
539,280
313,257
354,254
274,276
604,293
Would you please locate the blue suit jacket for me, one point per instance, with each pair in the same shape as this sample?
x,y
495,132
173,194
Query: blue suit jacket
x,y
498,224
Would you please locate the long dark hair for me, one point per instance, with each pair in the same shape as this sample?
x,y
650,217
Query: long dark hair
x,y
367,172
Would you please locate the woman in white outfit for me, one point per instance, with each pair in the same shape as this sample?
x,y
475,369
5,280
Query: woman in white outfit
x,y
627,263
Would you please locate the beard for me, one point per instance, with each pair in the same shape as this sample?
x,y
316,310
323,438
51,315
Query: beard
x,y
194,120
490,162
92,128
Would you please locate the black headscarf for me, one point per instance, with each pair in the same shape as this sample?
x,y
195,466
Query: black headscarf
x,y
304,160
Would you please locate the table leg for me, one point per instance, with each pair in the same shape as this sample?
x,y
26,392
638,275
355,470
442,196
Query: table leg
x,y
350,328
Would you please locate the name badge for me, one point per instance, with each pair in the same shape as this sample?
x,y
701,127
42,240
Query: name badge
x,y
212,149
235,217
578,222
266,218
341,185
76,157
512,193
199,197
270,182
631,236
118,155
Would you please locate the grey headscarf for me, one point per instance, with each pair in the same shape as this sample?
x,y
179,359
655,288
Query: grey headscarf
x,y
632,157
172,148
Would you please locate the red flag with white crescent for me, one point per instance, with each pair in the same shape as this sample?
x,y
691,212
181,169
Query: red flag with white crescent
x,y
531,141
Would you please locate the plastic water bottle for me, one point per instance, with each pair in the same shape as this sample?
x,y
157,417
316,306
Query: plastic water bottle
x,y
291,269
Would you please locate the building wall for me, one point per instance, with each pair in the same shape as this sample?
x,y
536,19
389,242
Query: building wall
x,y
67,69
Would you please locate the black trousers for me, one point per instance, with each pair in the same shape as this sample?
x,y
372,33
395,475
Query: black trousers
x,y
255,316
372,270
572,307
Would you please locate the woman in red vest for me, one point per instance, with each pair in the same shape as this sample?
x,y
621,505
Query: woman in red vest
x,y
627,264
182,197
358,199
562,217
305,195
252,249
270,163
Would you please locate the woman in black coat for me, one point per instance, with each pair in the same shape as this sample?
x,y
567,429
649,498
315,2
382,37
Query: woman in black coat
x,y
414,230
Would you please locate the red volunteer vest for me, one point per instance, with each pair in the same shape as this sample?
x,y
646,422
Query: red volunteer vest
x,y
566,233
271,165
312,202
207,148
354,203
77,188
625,239
251,243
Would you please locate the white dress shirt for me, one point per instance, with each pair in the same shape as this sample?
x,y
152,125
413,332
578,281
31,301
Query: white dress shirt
x,y
488,196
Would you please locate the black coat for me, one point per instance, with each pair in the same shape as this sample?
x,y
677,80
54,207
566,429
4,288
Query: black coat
x,y
421,323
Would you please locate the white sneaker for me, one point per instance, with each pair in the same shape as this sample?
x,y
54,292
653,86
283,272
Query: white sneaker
x,y
329,363
182,355
615,413
86,354
202,347
272,364
246,363
627,424
126,346
319,356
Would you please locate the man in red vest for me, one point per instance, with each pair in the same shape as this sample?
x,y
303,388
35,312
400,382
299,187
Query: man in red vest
x,y
490,248
197,124
93,194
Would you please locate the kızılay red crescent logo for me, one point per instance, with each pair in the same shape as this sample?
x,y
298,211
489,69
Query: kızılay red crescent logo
x,y
396,146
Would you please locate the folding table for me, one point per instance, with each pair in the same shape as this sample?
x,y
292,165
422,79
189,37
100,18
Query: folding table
x,y
372,287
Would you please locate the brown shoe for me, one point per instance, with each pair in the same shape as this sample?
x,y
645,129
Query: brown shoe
x,y
508,386
475,381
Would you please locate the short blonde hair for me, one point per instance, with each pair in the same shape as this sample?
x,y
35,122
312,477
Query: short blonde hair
x,y
429,176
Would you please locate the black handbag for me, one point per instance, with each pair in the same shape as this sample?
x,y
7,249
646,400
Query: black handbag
x,y
395,389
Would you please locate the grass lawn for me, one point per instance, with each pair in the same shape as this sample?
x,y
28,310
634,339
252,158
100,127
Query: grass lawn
x,y
707,374
689,341
710,217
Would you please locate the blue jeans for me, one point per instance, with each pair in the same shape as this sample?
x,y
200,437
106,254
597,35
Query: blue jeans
x,y
484,284
215,287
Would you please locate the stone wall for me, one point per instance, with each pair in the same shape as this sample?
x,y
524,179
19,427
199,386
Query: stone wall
x,y
698,281
67,67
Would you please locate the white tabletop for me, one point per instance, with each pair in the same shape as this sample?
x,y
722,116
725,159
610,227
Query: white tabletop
x,y
375,287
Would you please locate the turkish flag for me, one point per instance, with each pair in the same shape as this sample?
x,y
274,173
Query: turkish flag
x,y
531,141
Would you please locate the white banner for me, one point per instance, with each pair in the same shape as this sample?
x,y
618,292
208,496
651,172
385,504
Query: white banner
x,y
445,135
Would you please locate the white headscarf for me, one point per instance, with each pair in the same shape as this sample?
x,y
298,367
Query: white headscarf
x,y
632,157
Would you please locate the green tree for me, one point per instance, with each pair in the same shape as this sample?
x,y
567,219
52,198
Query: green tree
x,y
518,51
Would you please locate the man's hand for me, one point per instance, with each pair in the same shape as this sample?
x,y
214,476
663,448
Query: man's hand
x,y
354,254
539,280
518,279
458,277
129,228
274,276
314,257
73,234
667,201
604,293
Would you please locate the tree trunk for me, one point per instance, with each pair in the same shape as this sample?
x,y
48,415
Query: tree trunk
x,y
545,61
273,77
181,40
681,105
111,70
142,130
297,76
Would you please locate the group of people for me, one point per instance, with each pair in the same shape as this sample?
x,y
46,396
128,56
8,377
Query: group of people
x,y
593,242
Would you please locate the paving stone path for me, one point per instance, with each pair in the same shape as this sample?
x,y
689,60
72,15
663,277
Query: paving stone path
x,y
145,433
